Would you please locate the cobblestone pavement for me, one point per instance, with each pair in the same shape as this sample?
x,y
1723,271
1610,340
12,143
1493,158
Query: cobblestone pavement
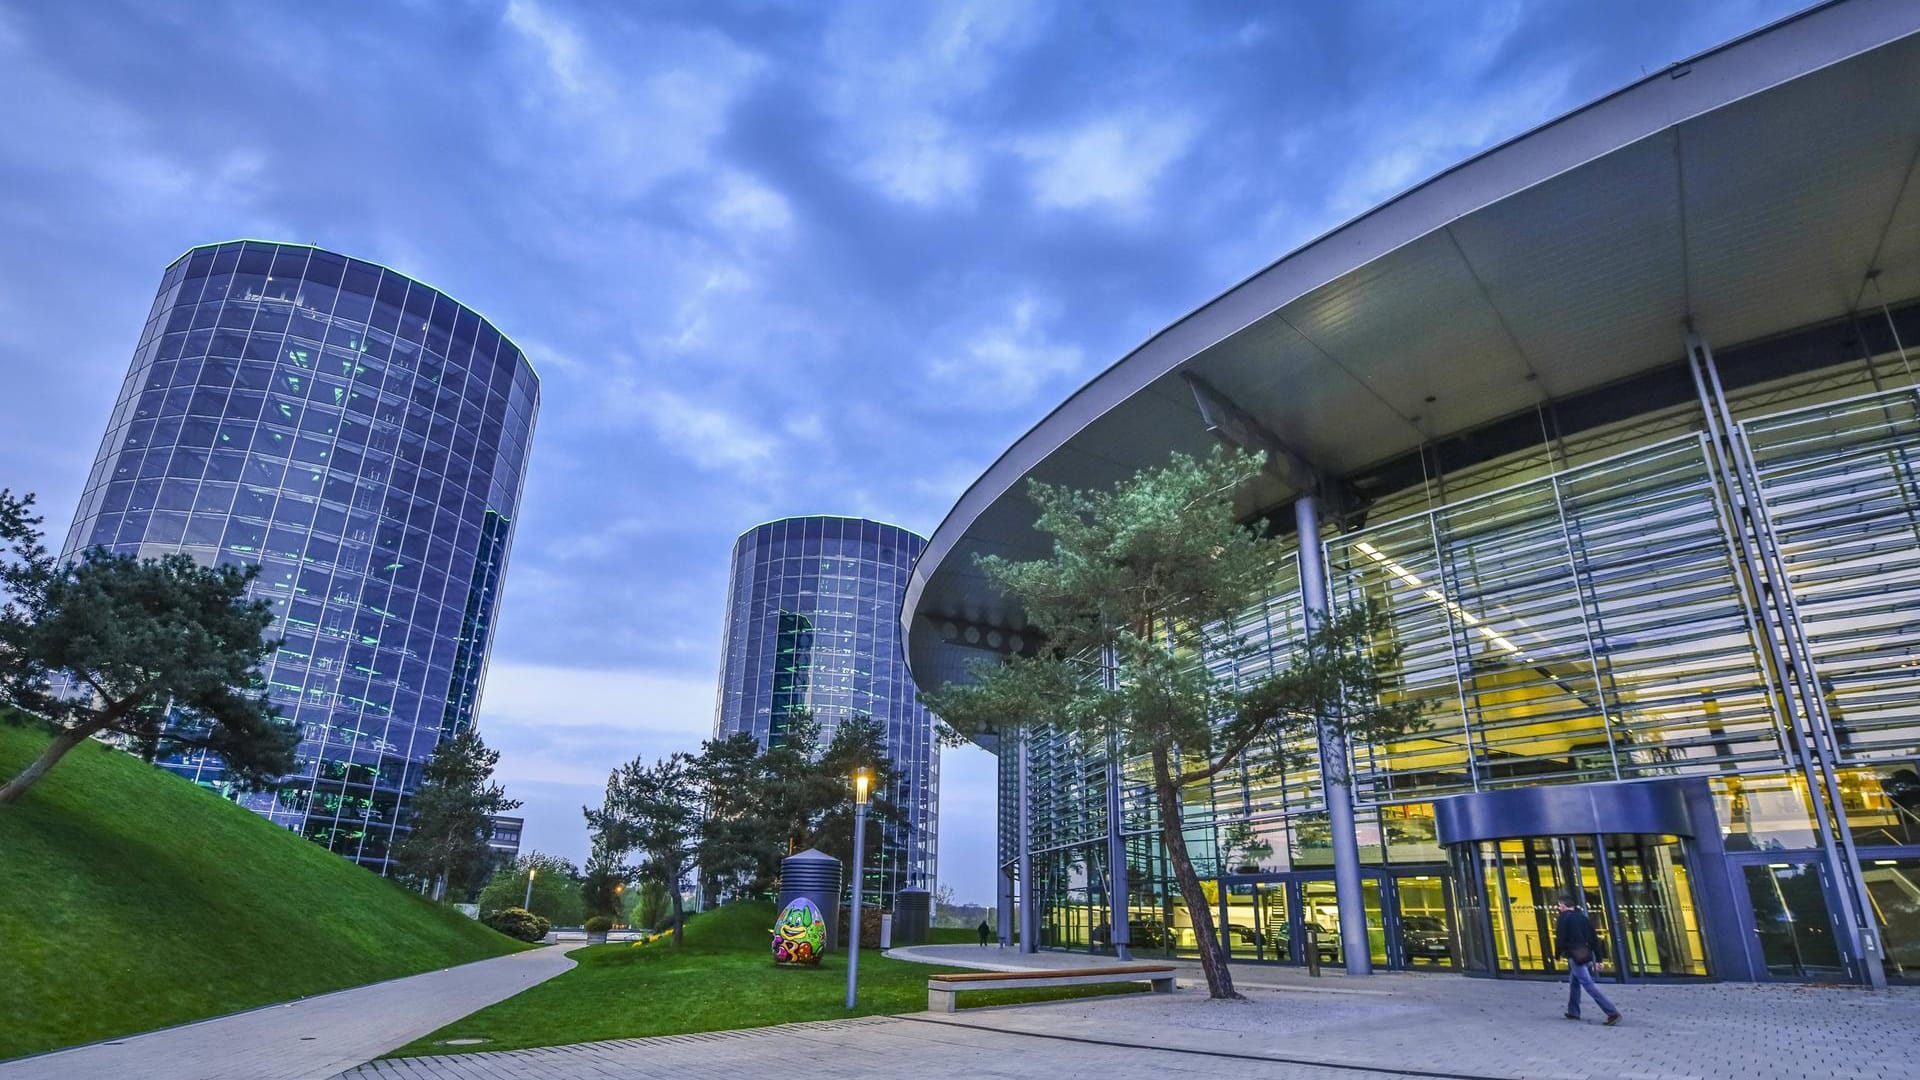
x,y
1507,1028
1290,1026
309,1039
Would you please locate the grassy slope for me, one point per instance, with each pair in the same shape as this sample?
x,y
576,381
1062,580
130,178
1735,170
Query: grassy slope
x,y
131,899
722,978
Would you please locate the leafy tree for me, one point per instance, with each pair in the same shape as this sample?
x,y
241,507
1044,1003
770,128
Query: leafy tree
x,y
653,811
602,888
1137,606
449,817
164,653
647,905
792,794
859,741
737,849
556,889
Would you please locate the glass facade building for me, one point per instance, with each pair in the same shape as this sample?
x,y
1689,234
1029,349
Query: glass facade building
x,y
360,437
813,624
1628,455
1582,613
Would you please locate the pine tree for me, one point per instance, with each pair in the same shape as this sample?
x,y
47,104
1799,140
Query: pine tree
x,y
652,811
164,653
1138,606
445,847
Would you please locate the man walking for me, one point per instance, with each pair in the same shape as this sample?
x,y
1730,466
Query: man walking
x,y
985,933
1573,938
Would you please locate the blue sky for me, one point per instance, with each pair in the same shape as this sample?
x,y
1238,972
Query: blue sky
x,y
768,258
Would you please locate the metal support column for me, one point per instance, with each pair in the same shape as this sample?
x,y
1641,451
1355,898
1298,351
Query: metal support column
x,y
1117,884
1003,923
1334,777
1029,916
1786,637
1118,888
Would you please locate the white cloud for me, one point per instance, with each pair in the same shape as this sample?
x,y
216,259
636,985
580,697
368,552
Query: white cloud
x,y
557,40
893,90
635,702
707,435
616,114
1394,139
919,160
1113,162
742,202
807,427
1004,365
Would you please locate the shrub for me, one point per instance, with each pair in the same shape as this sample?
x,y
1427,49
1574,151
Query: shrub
x,y
599,924
517,922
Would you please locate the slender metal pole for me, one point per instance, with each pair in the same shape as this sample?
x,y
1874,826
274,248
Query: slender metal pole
x,y
1029,922
528,902
1119,928
1334,781
853,930
1119,906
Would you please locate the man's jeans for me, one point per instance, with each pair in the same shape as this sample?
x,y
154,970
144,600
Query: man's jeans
x,y
1582,975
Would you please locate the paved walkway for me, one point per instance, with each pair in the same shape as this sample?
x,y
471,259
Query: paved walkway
x,y
874,1048
1290,1026
309,1039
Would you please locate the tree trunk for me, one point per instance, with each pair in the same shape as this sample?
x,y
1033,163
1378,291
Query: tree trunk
x,y
66,740
679,916
1213,958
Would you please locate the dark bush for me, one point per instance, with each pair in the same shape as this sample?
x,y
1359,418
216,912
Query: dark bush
x,y
599,924
517,922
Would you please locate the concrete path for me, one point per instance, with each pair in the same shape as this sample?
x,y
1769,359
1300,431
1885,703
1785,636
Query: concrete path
x,y
1408,1025
874,1048
309,1039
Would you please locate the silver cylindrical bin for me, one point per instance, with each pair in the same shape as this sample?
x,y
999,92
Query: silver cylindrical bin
x,y
813,875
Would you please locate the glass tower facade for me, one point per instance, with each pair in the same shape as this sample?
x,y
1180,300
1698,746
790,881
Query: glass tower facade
x,y
813,624
363,439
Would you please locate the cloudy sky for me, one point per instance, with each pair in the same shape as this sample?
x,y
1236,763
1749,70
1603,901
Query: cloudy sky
x,y
768,258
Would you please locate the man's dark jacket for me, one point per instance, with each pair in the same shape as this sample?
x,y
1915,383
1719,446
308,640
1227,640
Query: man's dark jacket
x,y
1574,928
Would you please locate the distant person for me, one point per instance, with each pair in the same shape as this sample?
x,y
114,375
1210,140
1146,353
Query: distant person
x,y
1573,938
986,932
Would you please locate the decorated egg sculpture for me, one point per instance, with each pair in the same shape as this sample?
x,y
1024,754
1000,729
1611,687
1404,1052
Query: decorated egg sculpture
x,y
800,937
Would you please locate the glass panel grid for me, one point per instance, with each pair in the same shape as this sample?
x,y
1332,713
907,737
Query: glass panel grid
x,y
1843,498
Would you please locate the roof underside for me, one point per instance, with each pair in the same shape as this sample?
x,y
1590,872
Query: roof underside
x,y
1751,191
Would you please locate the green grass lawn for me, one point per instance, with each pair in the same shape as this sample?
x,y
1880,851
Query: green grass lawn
x,y
722,978
131,899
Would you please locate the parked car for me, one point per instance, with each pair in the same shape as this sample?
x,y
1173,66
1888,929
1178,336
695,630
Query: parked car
x,y
1242,937
1147,934
1425,937
1329,940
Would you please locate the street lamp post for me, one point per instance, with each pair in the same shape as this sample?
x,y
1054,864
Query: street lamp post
x,y
618,888
862,781
528,902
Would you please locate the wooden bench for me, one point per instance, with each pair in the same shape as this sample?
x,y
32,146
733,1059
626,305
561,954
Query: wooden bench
x,y
943,989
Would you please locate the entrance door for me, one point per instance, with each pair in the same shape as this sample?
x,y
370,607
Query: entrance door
x,y
1636,884
1791,920
1659,930
1320,906
1425,924
1254,921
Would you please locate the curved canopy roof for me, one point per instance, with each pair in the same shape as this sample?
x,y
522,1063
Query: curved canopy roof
x,y
1748,191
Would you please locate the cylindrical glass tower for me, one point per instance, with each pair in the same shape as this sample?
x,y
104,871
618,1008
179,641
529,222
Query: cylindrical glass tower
x,y
363,439
813,622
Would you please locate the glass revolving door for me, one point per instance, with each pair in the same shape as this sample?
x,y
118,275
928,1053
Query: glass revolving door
x,y
1633,887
